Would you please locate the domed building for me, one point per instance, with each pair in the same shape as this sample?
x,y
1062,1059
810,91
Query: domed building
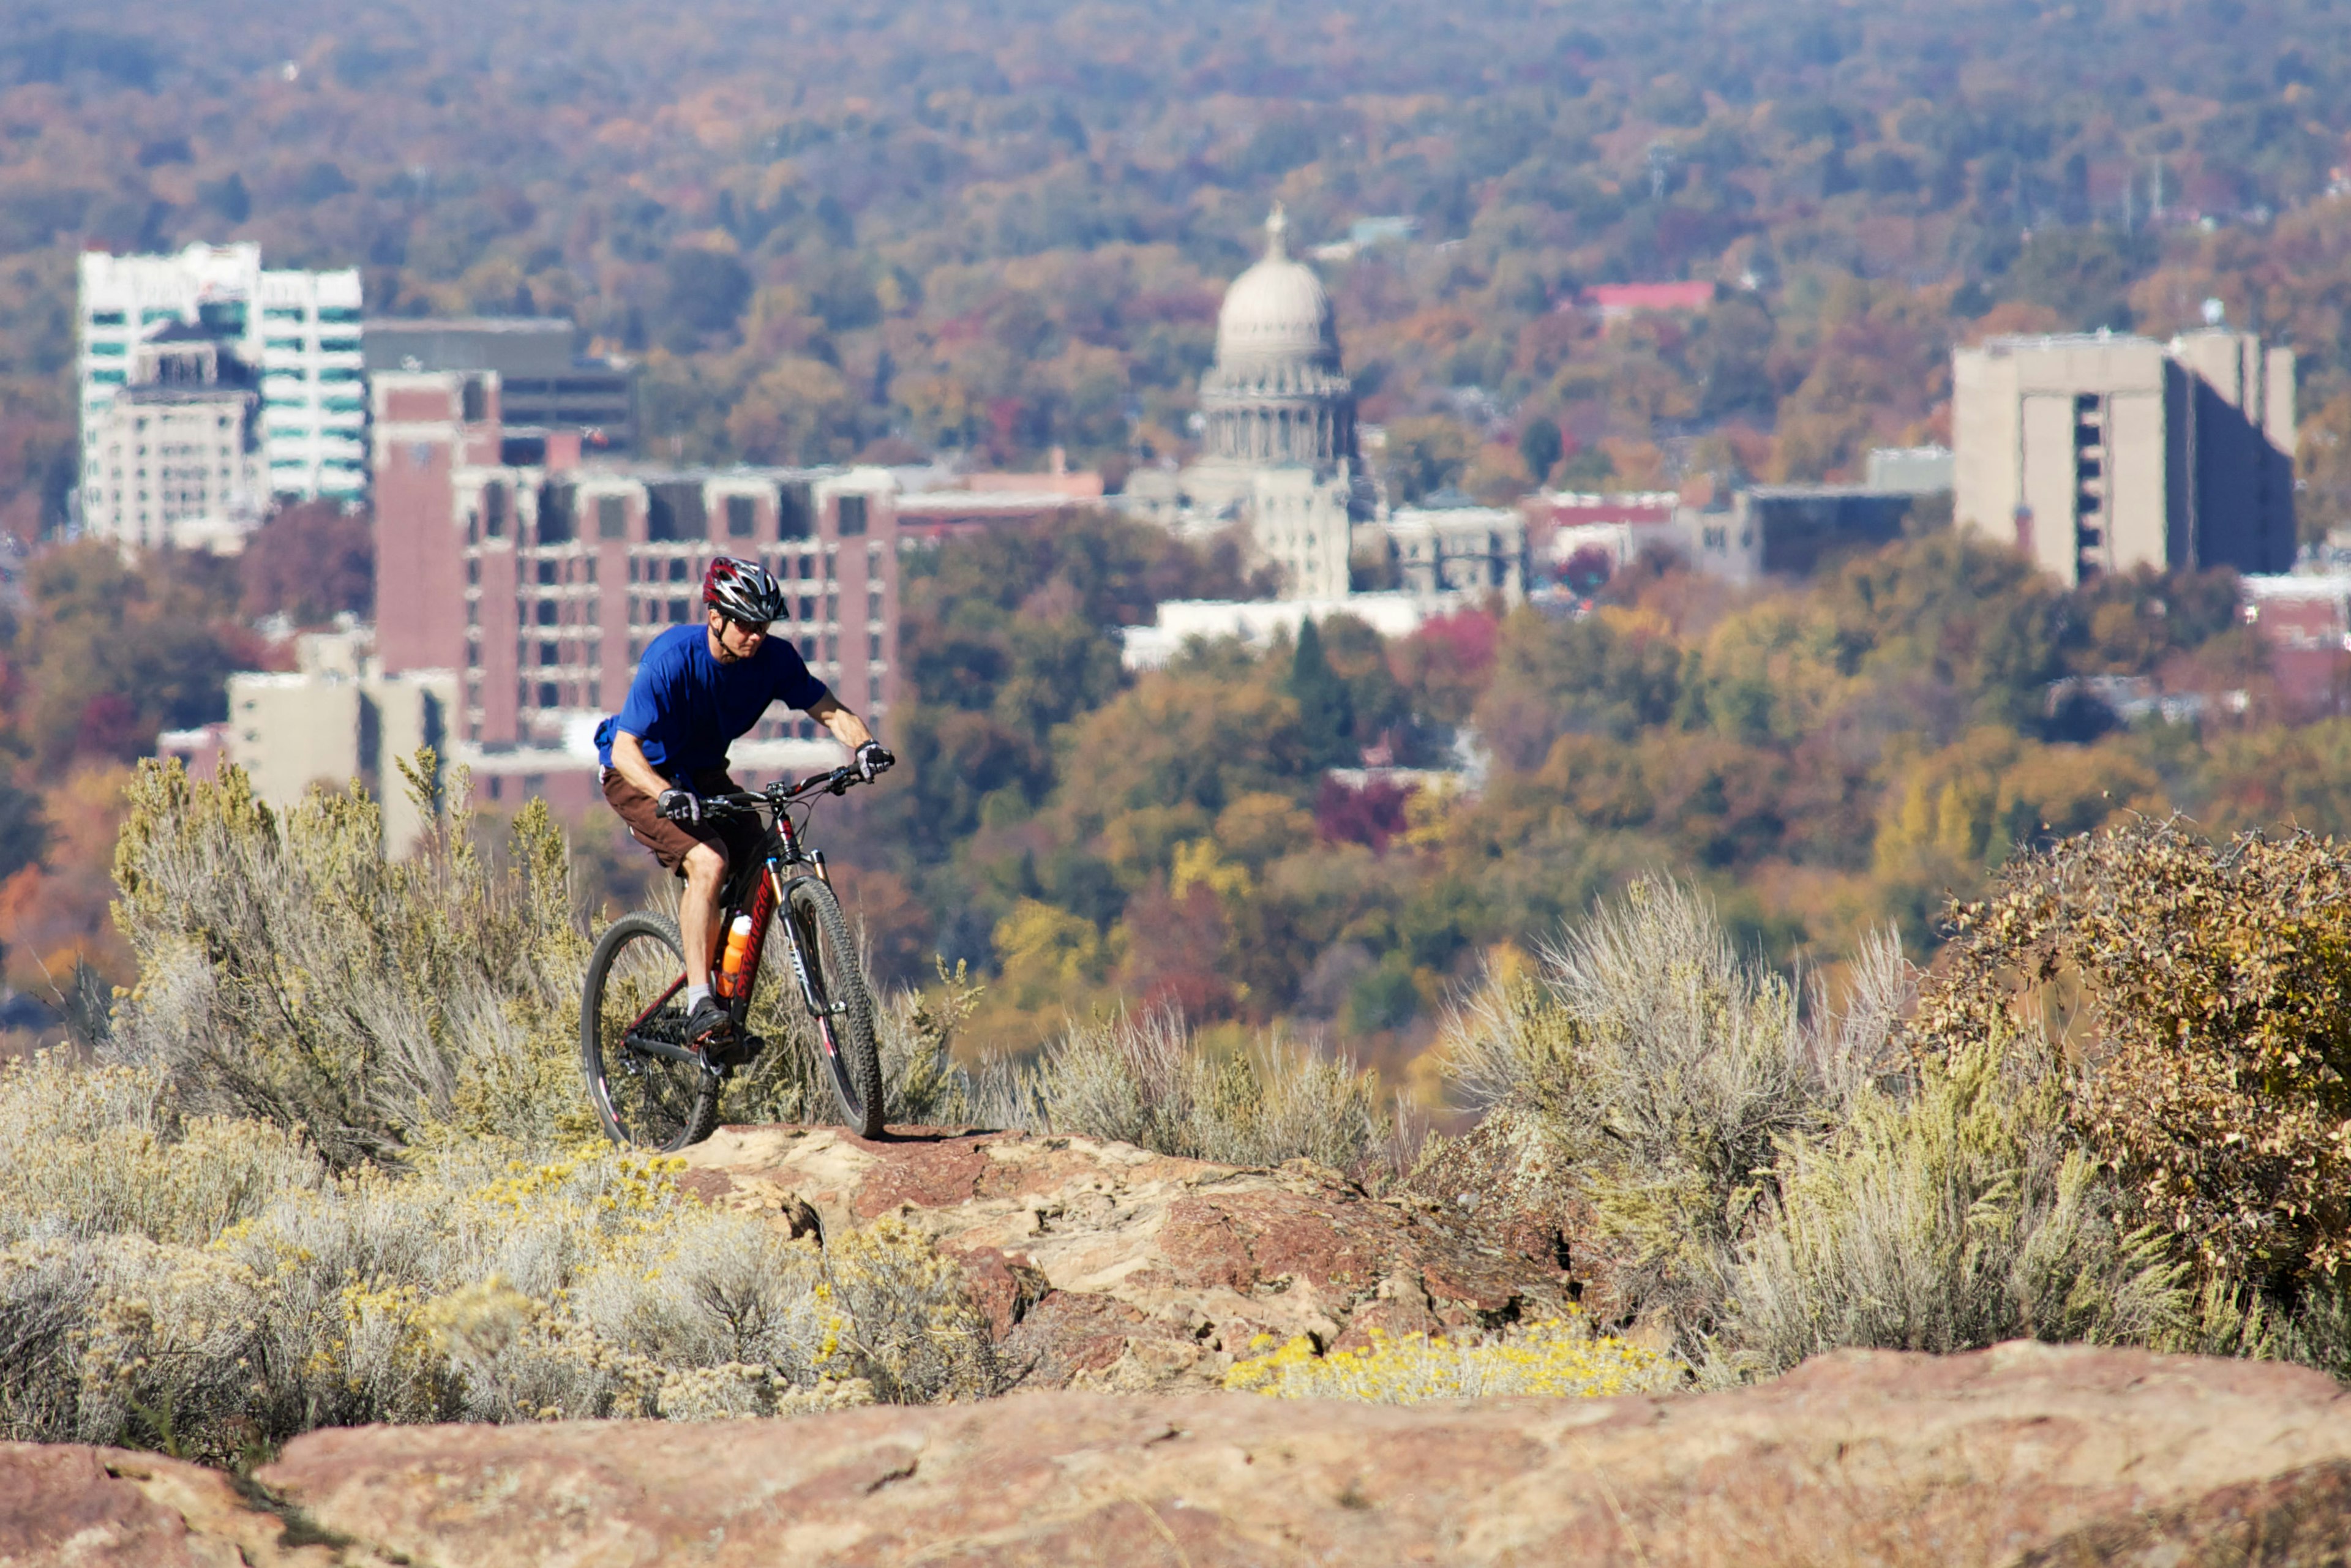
x,y
1276,393
1277,425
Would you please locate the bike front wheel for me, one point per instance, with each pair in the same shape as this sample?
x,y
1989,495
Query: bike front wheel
x,y
635,977
844,1017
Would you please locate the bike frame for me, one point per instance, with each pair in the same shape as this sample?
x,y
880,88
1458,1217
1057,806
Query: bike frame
x,y
759,891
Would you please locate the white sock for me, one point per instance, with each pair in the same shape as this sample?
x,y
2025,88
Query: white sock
x,y
695,996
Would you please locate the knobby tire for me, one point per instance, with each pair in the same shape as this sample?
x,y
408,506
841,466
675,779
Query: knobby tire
x,y
854,1065
642,1101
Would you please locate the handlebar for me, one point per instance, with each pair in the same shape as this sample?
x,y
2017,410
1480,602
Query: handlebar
x,y
778,795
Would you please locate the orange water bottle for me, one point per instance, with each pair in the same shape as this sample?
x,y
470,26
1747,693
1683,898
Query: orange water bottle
x,y
730,968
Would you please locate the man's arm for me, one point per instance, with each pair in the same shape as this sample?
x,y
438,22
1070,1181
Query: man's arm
x,y
846,726
629,762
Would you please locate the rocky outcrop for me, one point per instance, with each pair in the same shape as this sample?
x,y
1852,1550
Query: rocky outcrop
x,y
2025,1455
75,1506
1107,1266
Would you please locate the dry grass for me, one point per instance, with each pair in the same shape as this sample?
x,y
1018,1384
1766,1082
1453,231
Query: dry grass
x,y
205,1287
1144,1081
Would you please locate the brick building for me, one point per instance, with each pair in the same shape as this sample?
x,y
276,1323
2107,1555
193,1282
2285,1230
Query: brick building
x,y
538,580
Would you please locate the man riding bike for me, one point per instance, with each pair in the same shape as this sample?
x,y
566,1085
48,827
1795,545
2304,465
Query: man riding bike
x,y
698,689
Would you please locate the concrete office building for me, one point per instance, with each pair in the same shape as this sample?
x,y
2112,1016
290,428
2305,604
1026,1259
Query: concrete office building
x,y
175,457
541,582
2104,453
300,330
546,384
336,717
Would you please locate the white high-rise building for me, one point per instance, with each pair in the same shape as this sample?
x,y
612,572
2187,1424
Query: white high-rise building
x,y
299,332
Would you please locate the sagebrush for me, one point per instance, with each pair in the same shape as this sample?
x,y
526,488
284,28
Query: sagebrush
x,y
223,1287
1946,1212
290,972
1662,1074
1145,1080
1763,1179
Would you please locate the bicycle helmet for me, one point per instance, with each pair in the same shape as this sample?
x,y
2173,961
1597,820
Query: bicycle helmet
x,y
742,590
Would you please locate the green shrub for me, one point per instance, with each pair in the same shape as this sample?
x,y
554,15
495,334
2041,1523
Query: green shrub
x,y
1660,1073
106,1151
289,973
2199,996
1950,1214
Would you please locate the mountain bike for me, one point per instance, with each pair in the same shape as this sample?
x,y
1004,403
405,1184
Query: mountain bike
x,y
650,1089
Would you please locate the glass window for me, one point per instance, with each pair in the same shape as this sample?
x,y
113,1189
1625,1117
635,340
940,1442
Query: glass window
x,y
106,318
851,513
340,315
110,350
613,522
740,518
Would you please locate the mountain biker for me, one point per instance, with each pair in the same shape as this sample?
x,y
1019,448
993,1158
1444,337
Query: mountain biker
x,y
697,690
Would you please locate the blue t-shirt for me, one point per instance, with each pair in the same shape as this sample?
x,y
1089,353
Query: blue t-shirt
x,y
685,708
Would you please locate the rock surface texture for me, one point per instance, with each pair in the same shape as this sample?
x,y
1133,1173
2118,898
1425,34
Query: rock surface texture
x,y
1106,1266
2022,1455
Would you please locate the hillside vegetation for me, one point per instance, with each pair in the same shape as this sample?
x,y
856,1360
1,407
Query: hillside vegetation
x,y
301,1187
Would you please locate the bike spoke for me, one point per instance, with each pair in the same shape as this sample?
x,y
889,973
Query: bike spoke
x,y
647,1099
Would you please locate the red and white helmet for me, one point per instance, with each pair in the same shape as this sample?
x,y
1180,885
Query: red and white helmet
x,y
742,590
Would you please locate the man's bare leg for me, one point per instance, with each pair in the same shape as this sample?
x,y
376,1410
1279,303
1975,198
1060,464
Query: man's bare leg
x,y
698,909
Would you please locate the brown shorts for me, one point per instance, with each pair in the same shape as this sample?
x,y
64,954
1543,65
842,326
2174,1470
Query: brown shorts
x,y
671,841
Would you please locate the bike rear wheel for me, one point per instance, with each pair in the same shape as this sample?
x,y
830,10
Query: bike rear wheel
x,y
844,1026
642,1100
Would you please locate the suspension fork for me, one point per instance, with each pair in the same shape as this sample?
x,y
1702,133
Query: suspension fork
x,y
817,1008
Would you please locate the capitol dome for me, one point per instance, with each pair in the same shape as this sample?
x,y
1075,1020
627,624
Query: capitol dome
x,y
1277,393
1278,308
